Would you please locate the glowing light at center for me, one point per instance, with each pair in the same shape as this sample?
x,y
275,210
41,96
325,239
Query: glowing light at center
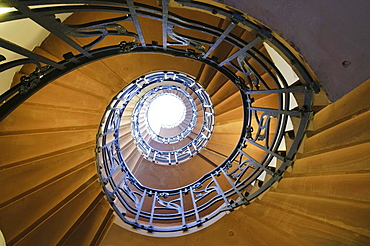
x,y
165,111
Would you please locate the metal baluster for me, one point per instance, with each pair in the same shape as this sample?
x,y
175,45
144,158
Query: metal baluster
x,y
256,162
24,52
133,14
240,52
164,22
266,150
232,184
220,39
194,205
220,192
47,24
182,209
140,206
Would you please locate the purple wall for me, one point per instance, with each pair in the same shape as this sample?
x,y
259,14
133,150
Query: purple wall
x,y
332,35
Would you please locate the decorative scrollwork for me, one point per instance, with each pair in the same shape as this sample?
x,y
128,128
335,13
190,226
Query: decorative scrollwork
x,y
101,29
183,40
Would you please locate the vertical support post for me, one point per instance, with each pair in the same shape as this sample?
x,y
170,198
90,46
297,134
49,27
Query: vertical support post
x,y
152,211
241,51
140,206
219,191
194,204
164,23
220,39
45,23
232,184
22,51
133,14
182,209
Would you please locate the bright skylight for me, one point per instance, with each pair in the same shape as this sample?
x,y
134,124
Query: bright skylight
x,y
165,111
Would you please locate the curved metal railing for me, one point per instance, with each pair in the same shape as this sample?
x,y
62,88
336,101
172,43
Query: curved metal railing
x,y
241,177
159,80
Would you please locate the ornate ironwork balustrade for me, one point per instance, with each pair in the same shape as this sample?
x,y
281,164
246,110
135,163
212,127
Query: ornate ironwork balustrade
x,y
240,178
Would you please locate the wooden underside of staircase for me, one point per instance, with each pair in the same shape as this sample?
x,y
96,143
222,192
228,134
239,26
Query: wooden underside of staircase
x,y
50,194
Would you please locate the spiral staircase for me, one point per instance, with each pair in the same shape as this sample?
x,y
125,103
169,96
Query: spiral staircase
x,y
80,164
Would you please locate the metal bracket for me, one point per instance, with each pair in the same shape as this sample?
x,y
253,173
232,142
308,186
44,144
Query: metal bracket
x,y
31,81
